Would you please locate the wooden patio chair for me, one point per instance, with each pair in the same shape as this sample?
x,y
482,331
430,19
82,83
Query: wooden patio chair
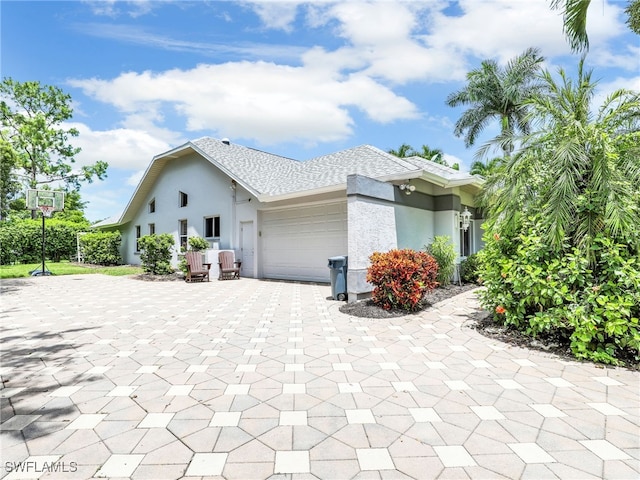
x,y
229,267
196,268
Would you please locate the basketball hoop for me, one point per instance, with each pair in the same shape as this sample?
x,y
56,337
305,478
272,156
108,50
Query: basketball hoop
x,y
47,201
47,210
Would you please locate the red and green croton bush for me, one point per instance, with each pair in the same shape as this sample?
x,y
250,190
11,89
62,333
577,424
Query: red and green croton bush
x,y
401,278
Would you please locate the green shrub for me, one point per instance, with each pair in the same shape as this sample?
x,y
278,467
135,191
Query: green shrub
x,y
155,253
445,255
545,292
21,240
198,243
401,278
469,268
101,248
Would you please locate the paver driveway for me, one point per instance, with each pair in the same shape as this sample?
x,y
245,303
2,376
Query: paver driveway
x,y
114,377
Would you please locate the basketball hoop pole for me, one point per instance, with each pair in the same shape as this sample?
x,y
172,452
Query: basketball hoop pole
x,y
43,271
47,201
37,273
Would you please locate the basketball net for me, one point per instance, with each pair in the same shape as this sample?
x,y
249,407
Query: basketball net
x,y
46,210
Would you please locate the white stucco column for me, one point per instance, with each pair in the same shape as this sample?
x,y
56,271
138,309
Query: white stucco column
x,y
371,228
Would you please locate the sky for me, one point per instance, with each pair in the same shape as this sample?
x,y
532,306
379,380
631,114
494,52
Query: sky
x,y
297,79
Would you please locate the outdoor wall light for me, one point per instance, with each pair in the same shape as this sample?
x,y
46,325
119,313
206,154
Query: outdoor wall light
x,y
466,219
407,188
233,185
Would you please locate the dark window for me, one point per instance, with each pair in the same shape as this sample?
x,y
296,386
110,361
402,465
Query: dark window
x,y
465,242
212,227
183,233
152,229
138,232
184,199
152,206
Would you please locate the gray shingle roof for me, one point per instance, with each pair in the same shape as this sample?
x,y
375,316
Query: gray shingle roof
x,y
268,174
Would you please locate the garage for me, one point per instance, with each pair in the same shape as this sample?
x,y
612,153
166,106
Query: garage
x,y
296,242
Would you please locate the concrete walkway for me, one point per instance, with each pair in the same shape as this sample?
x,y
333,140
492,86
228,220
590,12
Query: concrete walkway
x,y
119,378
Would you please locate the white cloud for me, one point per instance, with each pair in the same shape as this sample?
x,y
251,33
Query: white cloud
x,y
384,44
134,179
253,100
121,148
607,88
499,29
114,8
276,15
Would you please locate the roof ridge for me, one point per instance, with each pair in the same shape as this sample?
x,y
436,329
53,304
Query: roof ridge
x,y
399,160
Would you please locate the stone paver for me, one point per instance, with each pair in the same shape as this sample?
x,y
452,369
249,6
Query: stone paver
x,y
114,377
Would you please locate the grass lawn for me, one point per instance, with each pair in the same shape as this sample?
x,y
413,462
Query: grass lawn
x,y
65,268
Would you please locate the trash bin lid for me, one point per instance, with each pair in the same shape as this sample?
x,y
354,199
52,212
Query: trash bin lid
x,y
337,261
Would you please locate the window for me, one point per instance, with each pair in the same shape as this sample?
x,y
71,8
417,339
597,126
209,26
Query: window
x,y
184,199
152,206
183,233
138,232
152,229
466,241
211,227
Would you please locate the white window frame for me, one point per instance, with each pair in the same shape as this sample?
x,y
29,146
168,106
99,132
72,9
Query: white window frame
x,y
183,238
213,226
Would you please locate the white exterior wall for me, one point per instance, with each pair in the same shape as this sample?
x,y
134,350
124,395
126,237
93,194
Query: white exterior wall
x,y
415,227
446,223
208,195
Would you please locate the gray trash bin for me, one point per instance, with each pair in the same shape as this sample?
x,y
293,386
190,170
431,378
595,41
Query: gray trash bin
x,y
338,266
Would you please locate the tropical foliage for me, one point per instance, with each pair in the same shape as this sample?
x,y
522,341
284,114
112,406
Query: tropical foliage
x,y
574,13
493,94
558,293
563,239
469,268
401,278
580,170
445,255
434,155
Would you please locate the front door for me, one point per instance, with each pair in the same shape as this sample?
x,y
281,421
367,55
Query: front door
x,y
246,248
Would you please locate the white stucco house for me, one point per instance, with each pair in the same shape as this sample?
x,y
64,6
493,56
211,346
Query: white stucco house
x,y
284,218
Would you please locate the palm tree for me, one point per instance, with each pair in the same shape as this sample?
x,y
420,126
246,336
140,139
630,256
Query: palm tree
x,y
485,169
633,11
432,154
574,13
495,93
578,170
403,151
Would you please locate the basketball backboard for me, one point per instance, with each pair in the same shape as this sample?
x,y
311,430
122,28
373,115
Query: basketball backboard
x,y
45,198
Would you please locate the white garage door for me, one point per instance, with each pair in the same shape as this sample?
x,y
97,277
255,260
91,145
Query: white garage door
x,y
297,242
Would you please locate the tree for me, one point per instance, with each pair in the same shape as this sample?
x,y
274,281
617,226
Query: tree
x,y
485,169
32,117
403,151
633,11
9,186
495,93
574,13
562,249
580,172
432,154
73,208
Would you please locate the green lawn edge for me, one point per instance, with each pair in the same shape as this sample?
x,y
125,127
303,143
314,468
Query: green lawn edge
x,y
66,268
